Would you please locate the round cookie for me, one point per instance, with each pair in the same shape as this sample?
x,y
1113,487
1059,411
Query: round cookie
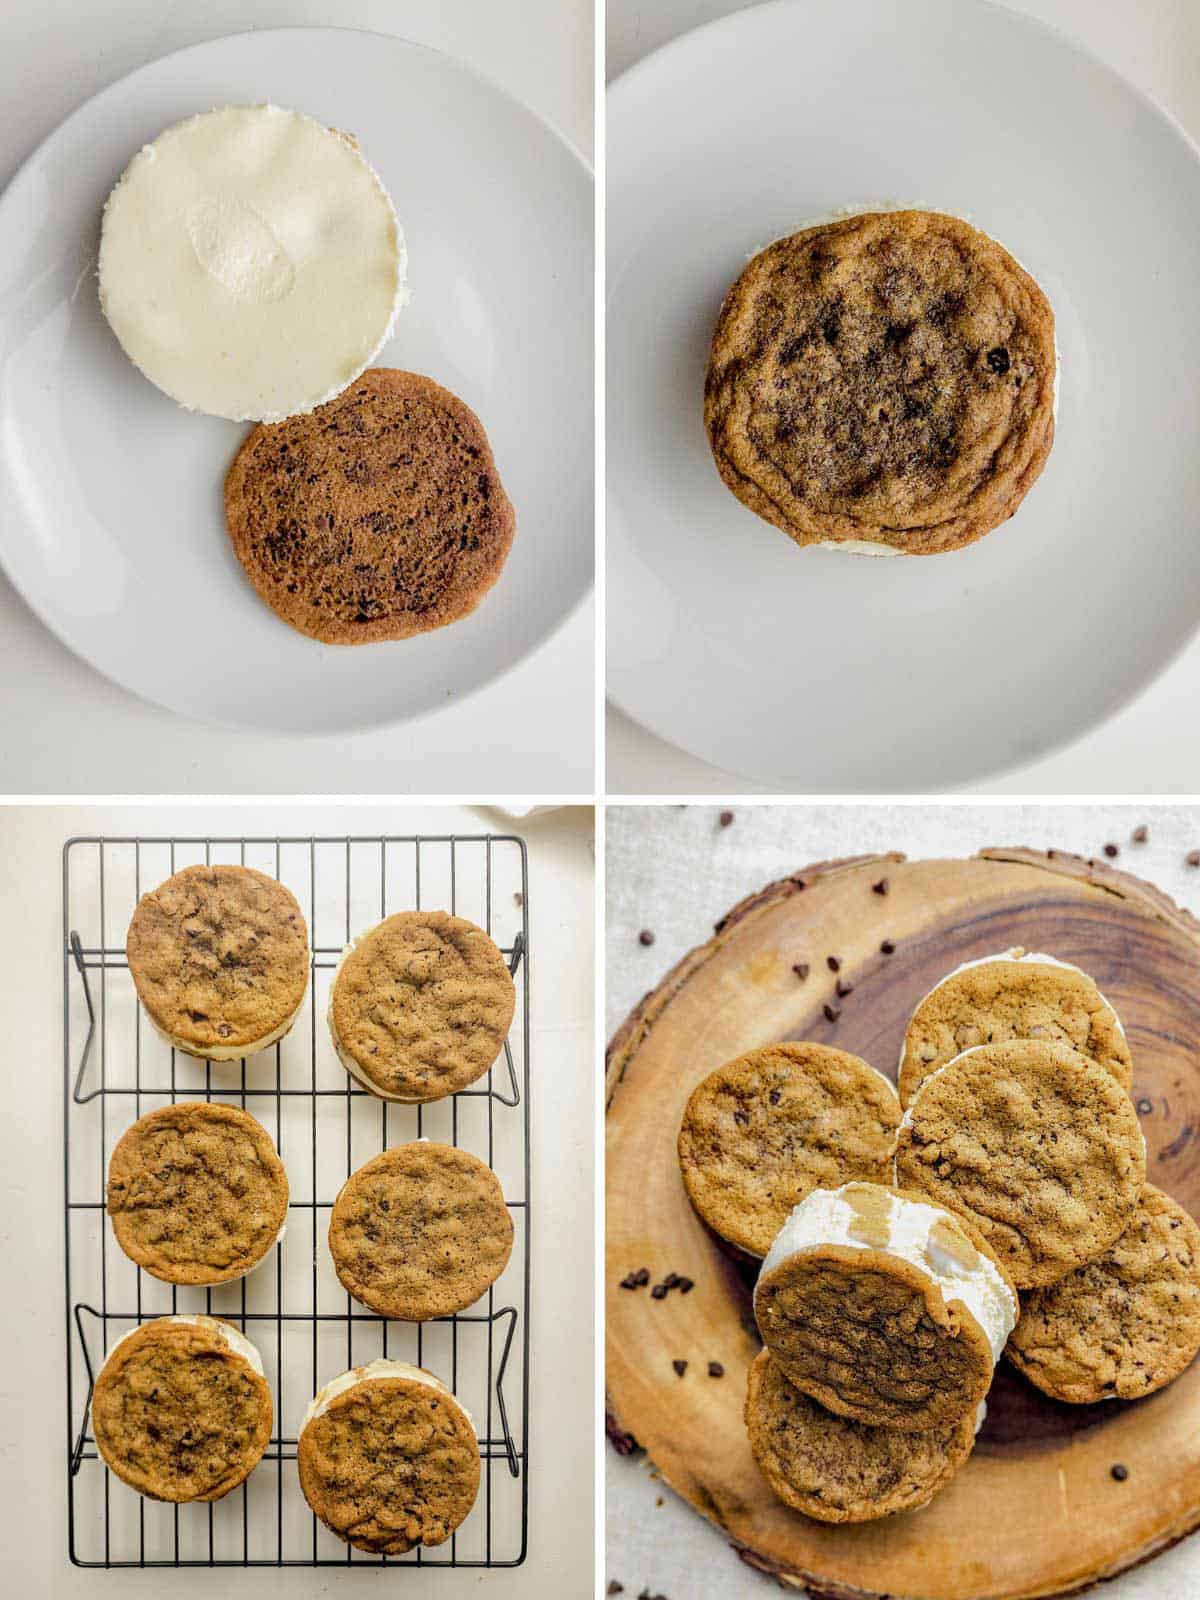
x,y
1035,1145
197,1193
181,1410
219,958
837,1470
1015,995
886,381
420,1006
764,1130
388,1459
884,1308
420,1231
1125,1324
380,516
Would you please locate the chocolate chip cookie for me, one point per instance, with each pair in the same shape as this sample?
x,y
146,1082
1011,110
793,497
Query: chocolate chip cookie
x,y
888,379
421,1231
379,516
197,1193
421,1006
762,1131
1034,1144
1016,995
837,1470
181,1410
1125,1324
388,1458
219,957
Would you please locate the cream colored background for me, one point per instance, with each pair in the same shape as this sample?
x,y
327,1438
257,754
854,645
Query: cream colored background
x,y
33,1551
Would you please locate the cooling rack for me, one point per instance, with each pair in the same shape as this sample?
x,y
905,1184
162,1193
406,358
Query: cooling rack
x,y
307,1328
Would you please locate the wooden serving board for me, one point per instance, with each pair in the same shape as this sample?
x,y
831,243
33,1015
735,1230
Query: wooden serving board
x,y
1036,1511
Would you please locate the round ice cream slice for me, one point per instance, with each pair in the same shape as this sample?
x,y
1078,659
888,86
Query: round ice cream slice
x,y
883,1308
251,263
943,1025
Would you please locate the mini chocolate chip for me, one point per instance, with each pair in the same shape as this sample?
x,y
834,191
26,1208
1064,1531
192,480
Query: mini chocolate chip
x,y
1145,1107
645,937
775,1097
642,1277
843,988
998,360
670,1281
614,1587
1140,834
726,818
833,963
881,887
630,1282
715,1369
801,970
659,1292
518,898
1112,850
887,948
832,1013
685,1286
1119,1472
680,1367
1193,859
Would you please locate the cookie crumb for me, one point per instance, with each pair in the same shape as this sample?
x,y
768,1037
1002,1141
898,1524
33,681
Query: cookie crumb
x,y
1193,858
645,937
1140,834
518,898
614,1587
726,818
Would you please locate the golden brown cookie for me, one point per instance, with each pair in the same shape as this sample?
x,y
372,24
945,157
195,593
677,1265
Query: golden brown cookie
x,y
1125,1324
197,1193
1034,1144
388,1458
888,378
837,1470
884,1307
420,1006
219,957
761,1132
1016,995
421,1231
181,1410
379,516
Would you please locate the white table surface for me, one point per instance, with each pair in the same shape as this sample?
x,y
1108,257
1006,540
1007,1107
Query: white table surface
x,y
33,1563
675,870
1156,44
63,728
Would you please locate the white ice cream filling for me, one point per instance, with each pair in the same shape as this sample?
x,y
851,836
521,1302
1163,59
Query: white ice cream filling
x,y
826,1217
233,1337
381,1368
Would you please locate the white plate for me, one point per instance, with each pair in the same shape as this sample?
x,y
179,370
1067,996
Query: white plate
x,y
816,669
111,519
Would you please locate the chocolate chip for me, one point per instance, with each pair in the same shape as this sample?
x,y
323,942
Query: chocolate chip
x,y
614,1587
659,1292
1119,1472
642,1277
680,1367
1145,1107
801,970
843,988
1112,850
881,887
685,1286
1193,859
832,1013
630,1282
715,1369
671,1280
833,963
887,948
645,937
1140,834
998,360
726,818
775,1097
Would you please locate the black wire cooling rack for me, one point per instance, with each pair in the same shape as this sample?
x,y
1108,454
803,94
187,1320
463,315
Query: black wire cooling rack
x,y
325,1126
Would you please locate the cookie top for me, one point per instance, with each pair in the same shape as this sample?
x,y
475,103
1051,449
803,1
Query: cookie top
x,y
1034,1144
197,1193
886,378
388,1458
1016,995
838,1470
421,1231
181,1410
764,1130
219,957
379,516
883,1307
420,1006
1124,1324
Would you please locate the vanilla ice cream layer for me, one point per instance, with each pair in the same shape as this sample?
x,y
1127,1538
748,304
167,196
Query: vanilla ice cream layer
x,y
251,263
224,1052
826,1217
236,1340
325,1396
1017,953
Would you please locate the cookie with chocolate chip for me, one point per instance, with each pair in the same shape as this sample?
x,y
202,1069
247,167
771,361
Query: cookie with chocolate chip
x,y
885,380
378,516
